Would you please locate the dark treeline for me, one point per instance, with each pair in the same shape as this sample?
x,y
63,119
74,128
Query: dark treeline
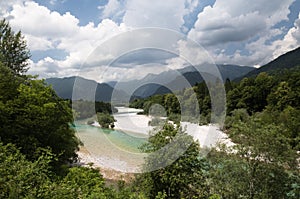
x,y
86,109
253,94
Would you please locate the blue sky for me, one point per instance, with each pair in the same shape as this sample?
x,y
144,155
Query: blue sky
x,y
62,34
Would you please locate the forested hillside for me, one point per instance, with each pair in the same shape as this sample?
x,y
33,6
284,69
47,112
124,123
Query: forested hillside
x,y
287,60
78,88
262,119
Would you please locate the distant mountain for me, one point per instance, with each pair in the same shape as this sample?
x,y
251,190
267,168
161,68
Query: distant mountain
x,y
287,60
233,71
177,80
148,85
80,88
112,83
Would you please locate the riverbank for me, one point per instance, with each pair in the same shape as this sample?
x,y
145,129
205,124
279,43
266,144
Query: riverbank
x,y
207,135
108,172
105,154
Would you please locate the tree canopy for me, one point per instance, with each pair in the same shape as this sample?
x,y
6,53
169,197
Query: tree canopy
x,y
33,117
13,49
183,178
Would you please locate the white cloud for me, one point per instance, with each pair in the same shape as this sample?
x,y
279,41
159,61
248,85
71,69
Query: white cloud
x,y
48,67
261,52
38,43
50,30
155,13
5,6
290,41
191,5
235,20
112,9
106,73
226,22
45,29
249,24
40,21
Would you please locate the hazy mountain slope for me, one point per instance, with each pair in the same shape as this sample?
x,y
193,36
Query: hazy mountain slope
x,y
85,89
287,60
150,85
189,74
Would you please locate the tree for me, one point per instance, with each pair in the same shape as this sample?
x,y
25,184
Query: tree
x,y
106,120
185,177
281,97
20,178
8,83
35,117
86,109
260,165
13,49
228,85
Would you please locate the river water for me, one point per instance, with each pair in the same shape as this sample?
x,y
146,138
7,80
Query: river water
x,y
114,149
119,149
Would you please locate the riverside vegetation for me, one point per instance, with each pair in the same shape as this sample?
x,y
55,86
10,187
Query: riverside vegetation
x,y
38,145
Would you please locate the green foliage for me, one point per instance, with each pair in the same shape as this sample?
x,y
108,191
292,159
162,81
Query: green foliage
x,y
250,94
13,49
20,178
215,196
156,121
259,166
237,115
81,182
228,85
281,97
192,104
86,109
277,91
264,122
183,178
8,83
33,117
106,120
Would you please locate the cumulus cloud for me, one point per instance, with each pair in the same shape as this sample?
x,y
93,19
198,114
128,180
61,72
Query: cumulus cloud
x,y
45,29
155,13
290,41
262,52
113,9
6,6
40,21
251,25
234,20
247,29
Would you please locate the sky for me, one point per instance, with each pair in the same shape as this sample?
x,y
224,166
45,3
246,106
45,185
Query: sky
x,y
95,38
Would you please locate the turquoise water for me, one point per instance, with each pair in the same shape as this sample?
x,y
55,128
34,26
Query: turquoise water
x,y
96,137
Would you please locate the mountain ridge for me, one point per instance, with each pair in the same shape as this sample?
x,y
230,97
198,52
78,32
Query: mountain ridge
x,y
149,85
86,89
287,60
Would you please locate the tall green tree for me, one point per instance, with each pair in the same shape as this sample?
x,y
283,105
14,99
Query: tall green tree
x,y
13,49
35,117
20,178
106,120
262,164
183,178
